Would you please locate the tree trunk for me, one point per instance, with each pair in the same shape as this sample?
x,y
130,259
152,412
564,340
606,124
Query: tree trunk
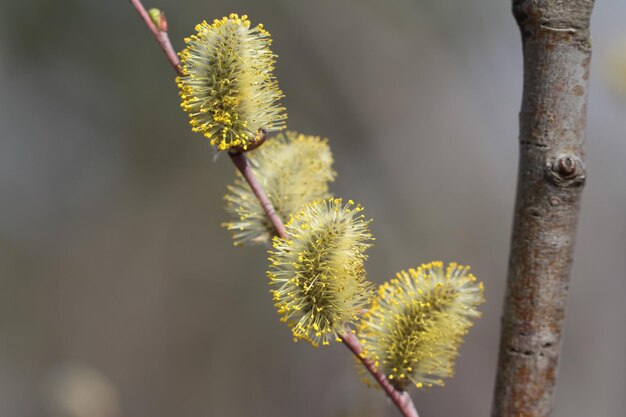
x,y
557,54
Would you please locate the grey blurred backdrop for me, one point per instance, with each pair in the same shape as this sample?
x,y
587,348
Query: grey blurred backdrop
x,y
121,295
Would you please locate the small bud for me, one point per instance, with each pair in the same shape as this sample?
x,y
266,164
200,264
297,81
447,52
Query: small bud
x,y
415,325
319,270
158,18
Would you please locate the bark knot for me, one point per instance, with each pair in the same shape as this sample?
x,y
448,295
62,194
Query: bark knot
x,y
566,171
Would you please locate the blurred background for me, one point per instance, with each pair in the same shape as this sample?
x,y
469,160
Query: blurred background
x,y
121,295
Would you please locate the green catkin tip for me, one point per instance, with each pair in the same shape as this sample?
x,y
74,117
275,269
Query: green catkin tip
x,y
415,326
317,274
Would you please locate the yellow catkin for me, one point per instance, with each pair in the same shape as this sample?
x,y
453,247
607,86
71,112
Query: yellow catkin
x,y
415,326
317,274
227,86
293,169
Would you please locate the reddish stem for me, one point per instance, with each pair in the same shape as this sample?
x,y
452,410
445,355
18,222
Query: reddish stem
x,y
241,162
160,35
401,399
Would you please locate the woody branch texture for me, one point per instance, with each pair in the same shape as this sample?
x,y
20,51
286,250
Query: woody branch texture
x,y
557,53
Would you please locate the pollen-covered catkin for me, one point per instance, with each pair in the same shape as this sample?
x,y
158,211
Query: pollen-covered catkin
x,y
227,86
293,169
415,326
317,274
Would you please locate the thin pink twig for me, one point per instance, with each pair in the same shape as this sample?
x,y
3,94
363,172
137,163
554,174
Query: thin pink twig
x,y
160,35
401,399
241,162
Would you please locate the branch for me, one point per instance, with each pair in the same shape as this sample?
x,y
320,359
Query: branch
x,y
241,162
401,399
557,54
160,34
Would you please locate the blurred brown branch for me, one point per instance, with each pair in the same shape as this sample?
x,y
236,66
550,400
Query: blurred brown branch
x,y
557,54
401,399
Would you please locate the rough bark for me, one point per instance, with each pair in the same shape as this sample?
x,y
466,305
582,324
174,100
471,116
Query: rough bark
x,y
557,53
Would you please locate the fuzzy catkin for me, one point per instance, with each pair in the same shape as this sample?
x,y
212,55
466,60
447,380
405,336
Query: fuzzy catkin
x,y
227,86
293,169
317,274
415,325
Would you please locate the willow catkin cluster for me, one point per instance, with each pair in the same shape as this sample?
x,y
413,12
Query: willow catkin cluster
x,y
318,274
294,170
415,326
412,330
227,86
